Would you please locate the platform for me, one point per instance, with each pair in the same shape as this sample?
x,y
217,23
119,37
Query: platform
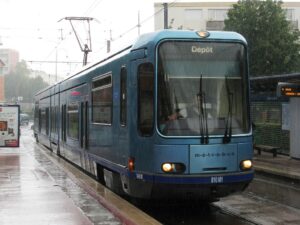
x,y
281,166
37,187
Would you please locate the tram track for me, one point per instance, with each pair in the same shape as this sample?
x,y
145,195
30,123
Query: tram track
x,y
232,213
168,214
193,213
277,189
174,214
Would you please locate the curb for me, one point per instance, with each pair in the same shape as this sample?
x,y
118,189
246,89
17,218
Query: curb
x,y
278,172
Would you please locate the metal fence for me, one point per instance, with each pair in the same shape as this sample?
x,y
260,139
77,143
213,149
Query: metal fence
x,y
269,124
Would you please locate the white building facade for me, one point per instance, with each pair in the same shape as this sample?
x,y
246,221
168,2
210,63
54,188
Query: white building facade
x,y
209,15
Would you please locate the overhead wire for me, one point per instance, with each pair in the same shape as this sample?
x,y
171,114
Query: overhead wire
x,y
117,37
143,21
93,6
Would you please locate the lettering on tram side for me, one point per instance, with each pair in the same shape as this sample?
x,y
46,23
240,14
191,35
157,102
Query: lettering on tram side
x,y
219,154
207,50
216,180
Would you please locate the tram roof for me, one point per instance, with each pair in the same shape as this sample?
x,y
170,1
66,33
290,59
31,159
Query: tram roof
x,y
157,36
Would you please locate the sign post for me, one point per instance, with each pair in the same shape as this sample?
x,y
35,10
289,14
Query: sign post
x,y
9,125
292,91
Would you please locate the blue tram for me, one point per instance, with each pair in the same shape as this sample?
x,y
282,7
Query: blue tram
x,y
166,117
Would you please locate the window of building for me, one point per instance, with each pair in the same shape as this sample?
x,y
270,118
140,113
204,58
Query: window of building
x,y
123,97
290,14
73,121
290,17
102,99
192,14
217,14
146,99
192,18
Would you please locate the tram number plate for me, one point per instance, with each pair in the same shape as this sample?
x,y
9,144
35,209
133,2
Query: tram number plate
x,y
216,180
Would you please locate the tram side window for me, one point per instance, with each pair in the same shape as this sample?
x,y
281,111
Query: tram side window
x,y
102,99
123,97
47,121
63,122
44,121
145,99
36,110
40,120
53,119
73,121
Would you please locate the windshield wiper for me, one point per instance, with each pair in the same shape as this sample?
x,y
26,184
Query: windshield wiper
x,y
228,126
202,114
177,109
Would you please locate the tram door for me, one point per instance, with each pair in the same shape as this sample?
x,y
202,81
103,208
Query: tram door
x,y
84,135
123,137
84,122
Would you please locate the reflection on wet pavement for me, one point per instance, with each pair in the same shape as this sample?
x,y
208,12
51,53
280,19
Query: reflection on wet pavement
x,y
27,197
35,194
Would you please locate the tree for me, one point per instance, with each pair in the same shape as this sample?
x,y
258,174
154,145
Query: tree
x,y
273,43
18,83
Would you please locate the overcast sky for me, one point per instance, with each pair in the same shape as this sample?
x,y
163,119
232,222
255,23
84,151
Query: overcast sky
x,y
32,28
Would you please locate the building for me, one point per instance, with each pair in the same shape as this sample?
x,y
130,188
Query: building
x,y
8,61
2,96
10,58
208,15
2,64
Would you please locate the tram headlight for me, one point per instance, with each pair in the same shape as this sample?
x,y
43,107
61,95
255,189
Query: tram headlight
x,y
170,167
246,164
167,167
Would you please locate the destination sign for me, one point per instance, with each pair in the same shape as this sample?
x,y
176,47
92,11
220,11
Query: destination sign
x,y
288,89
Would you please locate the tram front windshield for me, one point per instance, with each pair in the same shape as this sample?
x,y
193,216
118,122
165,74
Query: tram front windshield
x,y
202,89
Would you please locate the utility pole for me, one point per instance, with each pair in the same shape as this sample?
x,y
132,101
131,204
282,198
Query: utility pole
x,y
108,46
61,34
165,15
139,24
108,42
85,48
